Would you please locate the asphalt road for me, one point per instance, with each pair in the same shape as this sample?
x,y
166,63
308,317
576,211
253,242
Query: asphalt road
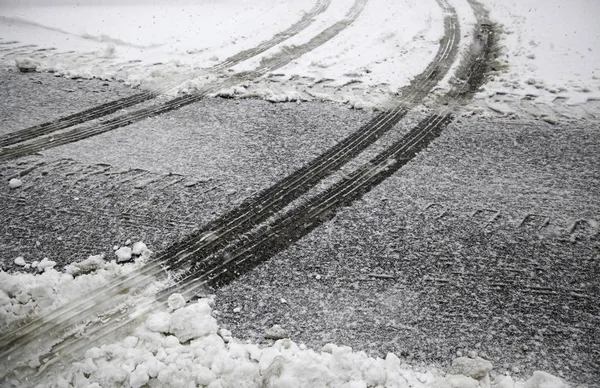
x,y
477,244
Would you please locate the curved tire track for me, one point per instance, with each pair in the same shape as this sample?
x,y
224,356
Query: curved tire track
x,y
281,59
302,219
277,236
122,103
268,240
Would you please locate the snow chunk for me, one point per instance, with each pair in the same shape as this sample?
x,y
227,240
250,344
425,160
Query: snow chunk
x,y
175,302
476,368
45,264
26,65
89,265
457,381
20,261
139,376
130,341
139,248
276,333
123,254
14,183
193,321
159,322
544,380
504,382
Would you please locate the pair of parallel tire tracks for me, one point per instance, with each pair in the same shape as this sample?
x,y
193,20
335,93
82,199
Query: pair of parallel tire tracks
x,y
113,106
36,139
240,240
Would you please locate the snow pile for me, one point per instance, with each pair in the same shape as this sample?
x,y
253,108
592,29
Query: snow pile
x,y
182,345
24,295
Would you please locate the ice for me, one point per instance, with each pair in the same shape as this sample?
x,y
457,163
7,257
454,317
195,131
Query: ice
x,y
15,183
123,254
91,264
477,368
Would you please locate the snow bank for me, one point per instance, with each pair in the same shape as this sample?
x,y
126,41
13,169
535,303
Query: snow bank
x,y
182,345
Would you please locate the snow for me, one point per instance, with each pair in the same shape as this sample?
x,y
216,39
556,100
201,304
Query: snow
x,y
15,183
26,64
139,248
123,254
550,48
20,261
361,66
175,301
144,42
91,264
45,264
476,368
183,345
544,380
50,289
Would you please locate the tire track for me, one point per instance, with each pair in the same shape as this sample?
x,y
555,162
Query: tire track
x,y
274,199
122,103
268,240
278,61
209,240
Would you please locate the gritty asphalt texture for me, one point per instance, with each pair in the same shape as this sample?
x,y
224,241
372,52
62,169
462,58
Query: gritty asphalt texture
x,y
473,246
34,98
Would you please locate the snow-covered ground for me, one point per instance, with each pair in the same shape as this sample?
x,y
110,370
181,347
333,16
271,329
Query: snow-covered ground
x,y
182,345
126,42
138,42
549,50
